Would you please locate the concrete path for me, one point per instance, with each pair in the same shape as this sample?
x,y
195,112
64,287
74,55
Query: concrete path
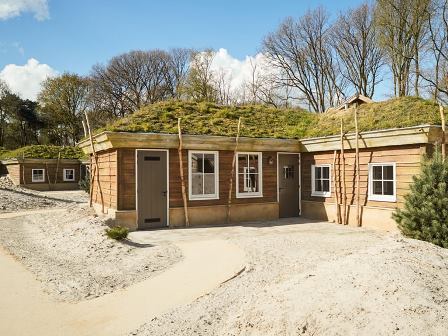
x,y
26,310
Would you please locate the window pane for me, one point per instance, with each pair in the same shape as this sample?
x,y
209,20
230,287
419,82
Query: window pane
x,y
377,172
196,184
326,185
388,172
318,172
253,161
377,187
196,163
388,188
209,184
209,163
318,185
253,182
242,162
326,172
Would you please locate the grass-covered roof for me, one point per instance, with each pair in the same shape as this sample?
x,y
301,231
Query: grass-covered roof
x,y
263,121
43,152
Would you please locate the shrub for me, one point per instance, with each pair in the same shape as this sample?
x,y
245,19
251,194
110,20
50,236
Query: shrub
x,y
425,212
117,232
84,184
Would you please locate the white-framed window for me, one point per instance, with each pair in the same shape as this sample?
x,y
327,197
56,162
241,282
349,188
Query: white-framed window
x,y
249,174
321,180
203,175
382,182
69,174
38,175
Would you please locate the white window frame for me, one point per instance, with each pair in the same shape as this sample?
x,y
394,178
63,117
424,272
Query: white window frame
x,y
382,198
313,185
246,194
65,177
214,196
37,180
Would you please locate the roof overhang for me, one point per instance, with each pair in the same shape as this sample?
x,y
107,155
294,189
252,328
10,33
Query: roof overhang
x,y
40,161
421,134
389,137
108,140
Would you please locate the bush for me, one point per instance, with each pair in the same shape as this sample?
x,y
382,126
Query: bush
x,y
117,232
84,184
425,212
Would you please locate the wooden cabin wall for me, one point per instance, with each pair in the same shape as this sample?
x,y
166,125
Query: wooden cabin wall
x,y
21,173
107,163
126,195
407,158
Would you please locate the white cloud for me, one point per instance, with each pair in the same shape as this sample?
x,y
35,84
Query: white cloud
x,y
26,80
239,71
13,8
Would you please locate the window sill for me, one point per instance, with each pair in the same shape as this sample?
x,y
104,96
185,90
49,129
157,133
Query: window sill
x,y
378,198
248,195
206,198
325,194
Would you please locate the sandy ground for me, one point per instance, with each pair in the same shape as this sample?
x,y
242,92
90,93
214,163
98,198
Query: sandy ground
x,y
206,264
316,279
15,198
70,255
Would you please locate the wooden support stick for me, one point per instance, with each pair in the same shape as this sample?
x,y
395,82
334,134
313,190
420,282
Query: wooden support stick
x,y
229,200
442,117
182,179
336,193
57,168
95,168
358,202
48,176
344,195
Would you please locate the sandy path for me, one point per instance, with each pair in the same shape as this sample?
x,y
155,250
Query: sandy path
x,y
25,310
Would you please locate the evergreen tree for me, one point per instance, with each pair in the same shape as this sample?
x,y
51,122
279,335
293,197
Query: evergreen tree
x,y
425,212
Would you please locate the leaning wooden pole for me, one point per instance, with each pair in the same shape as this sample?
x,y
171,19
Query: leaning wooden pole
x,y
442,117
336,193
57,168
229,199
344,195
96,169
182,179
358,184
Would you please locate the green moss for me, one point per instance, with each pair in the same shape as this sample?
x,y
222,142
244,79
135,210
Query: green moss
x,y
393,113
43,152
263,121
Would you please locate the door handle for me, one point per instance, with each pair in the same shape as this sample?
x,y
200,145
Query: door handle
x,y
164,193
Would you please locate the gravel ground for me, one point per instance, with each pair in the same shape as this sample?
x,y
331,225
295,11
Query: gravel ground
x,y
14,198
319,279
69,253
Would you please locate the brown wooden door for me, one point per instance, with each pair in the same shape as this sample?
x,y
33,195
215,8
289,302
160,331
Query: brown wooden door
x,y
289,185
152,189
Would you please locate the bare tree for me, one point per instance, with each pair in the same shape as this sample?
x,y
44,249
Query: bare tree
x,y
200,85
132,80
302,53
402,26
355,38
438,32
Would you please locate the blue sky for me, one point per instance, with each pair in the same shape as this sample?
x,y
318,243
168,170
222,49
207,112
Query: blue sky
x,y
74,35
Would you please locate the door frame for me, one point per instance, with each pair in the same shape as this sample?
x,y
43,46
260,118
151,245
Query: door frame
x,y
300,178
167,182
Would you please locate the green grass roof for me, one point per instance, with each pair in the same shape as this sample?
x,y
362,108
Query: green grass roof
x,y
43,152
263,121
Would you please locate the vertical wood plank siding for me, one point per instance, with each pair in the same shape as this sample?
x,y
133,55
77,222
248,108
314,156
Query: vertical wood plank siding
x,y
407,159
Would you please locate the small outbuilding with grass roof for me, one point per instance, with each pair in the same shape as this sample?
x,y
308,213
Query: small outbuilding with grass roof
x,y
43,168
287,163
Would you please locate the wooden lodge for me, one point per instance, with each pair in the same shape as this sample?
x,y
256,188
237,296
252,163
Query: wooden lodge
x,y
140,185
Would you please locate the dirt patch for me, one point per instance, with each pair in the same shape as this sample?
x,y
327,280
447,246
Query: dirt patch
x,y
69,253
320,279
